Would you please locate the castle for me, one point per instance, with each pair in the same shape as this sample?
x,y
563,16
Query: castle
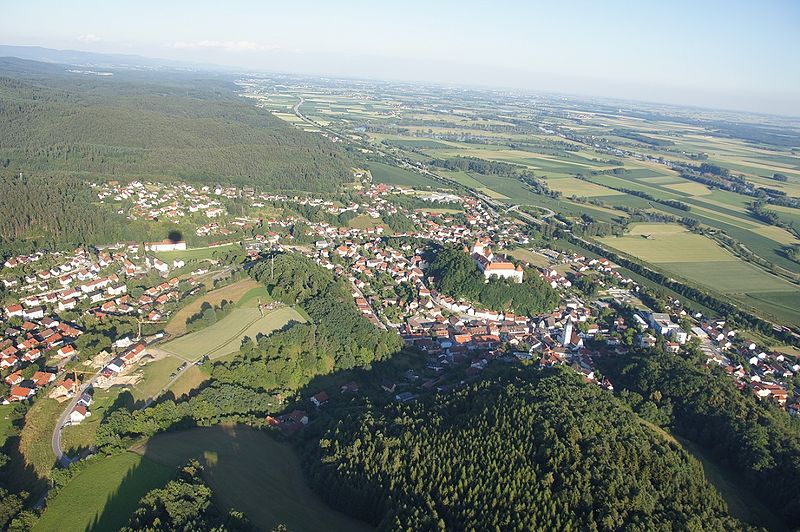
x,y
484,258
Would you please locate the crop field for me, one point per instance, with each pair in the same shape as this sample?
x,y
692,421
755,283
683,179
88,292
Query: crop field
x,y
233,292
225,336
569,186
698,259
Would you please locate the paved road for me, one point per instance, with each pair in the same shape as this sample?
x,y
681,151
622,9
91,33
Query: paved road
x,y
61,459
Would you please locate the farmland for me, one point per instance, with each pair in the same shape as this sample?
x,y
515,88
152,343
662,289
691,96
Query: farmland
x,y
696,258
225,336
601,163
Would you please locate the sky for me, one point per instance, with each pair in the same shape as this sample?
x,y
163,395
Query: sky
x,y
721,54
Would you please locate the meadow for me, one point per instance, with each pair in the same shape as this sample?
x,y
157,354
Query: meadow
x,y
247,470
225,336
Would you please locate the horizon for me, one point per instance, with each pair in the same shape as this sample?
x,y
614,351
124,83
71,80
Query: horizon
x,y
742,55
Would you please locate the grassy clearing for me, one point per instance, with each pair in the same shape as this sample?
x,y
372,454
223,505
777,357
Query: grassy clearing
x,y
529,256
742,502
251,472
232,292
362,221
7,420
196,254
105,494
155,375
225,336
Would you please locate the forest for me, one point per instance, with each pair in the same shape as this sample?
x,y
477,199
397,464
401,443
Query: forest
x,y
246,388
457,275
703,405
532,450
154,126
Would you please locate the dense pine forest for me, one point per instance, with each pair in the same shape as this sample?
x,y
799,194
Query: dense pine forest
x,y
704,406
539,450
133,124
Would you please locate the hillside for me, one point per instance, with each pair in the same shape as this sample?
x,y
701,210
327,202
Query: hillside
x,y
540,450
153,125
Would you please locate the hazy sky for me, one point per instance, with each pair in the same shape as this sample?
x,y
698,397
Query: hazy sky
x,y
729,54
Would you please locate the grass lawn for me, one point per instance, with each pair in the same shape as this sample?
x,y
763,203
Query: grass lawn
x,y
195,253
253,473
225,336
233,292
105,494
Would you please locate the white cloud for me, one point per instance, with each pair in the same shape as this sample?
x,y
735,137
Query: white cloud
x,y
88,38
228,46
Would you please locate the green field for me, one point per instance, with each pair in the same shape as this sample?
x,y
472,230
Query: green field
x,y
392,175
104,495
696,258
195,254
246,468
225,336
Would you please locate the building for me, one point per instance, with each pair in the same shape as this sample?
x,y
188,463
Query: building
x,y
165,245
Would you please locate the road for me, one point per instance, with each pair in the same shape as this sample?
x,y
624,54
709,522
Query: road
x,y
61,459
55,441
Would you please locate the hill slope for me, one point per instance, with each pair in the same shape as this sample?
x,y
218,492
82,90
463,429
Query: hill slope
x,y
153,125
539,451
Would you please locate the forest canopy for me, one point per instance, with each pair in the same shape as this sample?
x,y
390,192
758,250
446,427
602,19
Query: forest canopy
x,y
542,451
154,126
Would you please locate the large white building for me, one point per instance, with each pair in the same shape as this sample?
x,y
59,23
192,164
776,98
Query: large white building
x,y
165,245
484,258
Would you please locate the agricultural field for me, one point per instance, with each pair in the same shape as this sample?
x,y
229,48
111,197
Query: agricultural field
x,y
632,149
392,175
696,258
225,336
231,292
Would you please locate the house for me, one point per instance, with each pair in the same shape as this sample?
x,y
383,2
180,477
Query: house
x,y
43,378
350,387
319,399
14,379
20,393
78,414
67,351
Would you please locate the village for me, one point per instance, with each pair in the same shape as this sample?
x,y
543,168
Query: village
x,y
48,295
